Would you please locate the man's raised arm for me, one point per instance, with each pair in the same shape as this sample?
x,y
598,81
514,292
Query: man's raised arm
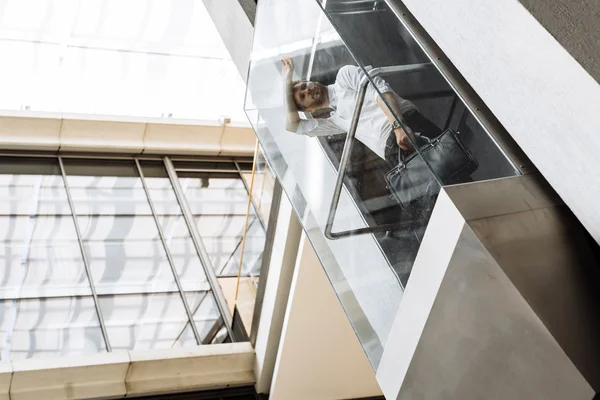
x,y
292,119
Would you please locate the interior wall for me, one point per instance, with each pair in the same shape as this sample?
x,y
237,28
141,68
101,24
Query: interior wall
x,y
320,357
575,24
543,97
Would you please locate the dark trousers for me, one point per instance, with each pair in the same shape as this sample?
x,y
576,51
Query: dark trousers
x,y
419,124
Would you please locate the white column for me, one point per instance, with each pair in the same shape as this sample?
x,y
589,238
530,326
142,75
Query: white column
x,y
235,29
277,288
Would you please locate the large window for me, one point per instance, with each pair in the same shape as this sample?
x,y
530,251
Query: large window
x,y
118,254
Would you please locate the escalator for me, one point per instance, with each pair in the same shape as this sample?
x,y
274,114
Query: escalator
x,y
321,38
370,271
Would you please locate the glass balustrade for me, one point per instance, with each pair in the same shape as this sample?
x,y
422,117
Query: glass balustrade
x,y
344,53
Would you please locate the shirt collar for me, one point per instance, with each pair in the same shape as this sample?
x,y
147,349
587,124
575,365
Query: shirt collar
x,y
332,97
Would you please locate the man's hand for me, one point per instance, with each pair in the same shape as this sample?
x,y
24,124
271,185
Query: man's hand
x,y
402,138
287,68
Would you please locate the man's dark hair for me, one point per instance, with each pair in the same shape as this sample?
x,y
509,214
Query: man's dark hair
x,y
294,83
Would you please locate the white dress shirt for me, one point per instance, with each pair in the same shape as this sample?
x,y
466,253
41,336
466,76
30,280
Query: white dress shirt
x,y
373,127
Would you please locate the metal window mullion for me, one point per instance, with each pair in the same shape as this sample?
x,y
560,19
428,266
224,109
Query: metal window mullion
x,y
266,260
254,206
86,264
168,253
211,276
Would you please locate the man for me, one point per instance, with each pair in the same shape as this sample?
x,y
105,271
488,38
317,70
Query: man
x,y
376,122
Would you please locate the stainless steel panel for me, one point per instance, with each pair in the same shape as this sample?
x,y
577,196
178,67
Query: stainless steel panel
x,y
516,313
483,340
547,258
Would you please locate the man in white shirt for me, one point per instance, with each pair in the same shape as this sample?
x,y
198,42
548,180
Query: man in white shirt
x,y
376,122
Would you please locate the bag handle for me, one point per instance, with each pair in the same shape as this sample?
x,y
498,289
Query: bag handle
x,y
402,157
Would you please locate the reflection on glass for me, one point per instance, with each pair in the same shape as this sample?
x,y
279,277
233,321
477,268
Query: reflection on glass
x,y
177,235
253,250
119,233
206,315
215,196
49,327
40,256
46,306
143,321
221,235
219,208
39,253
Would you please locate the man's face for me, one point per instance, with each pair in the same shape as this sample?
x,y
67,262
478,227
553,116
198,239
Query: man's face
x,y
310,96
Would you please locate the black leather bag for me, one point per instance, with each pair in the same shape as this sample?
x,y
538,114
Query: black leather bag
x,y
446,155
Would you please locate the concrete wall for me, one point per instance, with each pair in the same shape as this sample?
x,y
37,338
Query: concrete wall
x,y
543,97
235,29
127,373
576,26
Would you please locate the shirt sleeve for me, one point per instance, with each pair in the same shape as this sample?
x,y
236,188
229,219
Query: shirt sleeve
x,y
350,76
318,127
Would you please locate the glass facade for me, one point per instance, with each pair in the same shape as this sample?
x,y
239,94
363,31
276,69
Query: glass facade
x,y
99,255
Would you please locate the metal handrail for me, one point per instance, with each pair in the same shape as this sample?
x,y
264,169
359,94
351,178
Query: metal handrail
x,y
355,7
375,72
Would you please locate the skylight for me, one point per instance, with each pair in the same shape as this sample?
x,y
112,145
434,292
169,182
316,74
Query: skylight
x,y
161,59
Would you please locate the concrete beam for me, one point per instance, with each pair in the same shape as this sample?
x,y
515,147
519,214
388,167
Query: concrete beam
x,y
21,131
123,374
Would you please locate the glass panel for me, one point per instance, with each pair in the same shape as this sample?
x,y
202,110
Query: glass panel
x,y
40,257
206,315
143,321
119,233
39,254
186,339
221,235
253,250
219,207
126,254
19,190
177,235
49,327
215,196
